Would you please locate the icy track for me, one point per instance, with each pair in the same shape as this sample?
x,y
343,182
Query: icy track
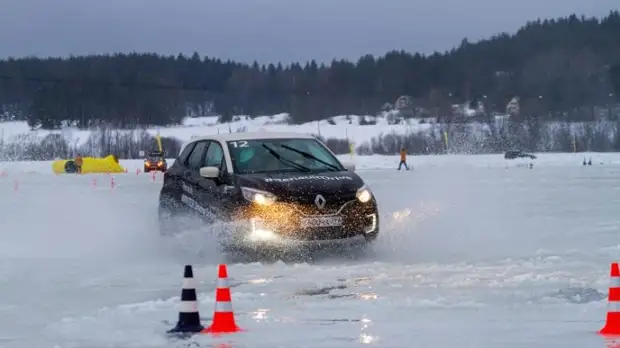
x,y
474,252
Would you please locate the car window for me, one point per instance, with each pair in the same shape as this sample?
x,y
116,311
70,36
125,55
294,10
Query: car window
x,y
313,147
184,155
251,156
214,155
196,159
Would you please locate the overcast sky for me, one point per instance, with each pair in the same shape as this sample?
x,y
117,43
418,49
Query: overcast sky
x,y
266,30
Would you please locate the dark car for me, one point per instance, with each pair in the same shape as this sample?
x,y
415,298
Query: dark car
x,y
269,189
156,161
513,154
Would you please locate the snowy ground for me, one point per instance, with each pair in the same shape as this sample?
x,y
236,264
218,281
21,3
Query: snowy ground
x,y
475,252
341,127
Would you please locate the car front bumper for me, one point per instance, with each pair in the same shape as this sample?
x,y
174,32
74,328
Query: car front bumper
x,y
260,241
266,232
151,167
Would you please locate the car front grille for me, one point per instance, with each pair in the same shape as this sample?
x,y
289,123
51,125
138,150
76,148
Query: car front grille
x,y
306,204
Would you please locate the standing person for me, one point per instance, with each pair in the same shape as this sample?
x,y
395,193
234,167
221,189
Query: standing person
x,y
403,159
78,162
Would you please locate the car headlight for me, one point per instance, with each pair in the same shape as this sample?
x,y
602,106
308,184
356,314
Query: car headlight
x,y
364,194
258,196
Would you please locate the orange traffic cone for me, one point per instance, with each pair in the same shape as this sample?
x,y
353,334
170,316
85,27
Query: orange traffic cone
x,y
612,325
223,315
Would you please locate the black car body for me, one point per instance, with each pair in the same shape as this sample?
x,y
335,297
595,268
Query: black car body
x,y
513,154
271,189
156,161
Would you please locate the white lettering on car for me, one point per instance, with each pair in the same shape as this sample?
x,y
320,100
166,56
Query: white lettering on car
x,y
187,188
193,204
241,143
309,177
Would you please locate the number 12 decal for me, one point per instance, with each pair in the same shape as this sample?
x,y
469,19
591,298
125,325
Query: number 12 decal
x,y
241,143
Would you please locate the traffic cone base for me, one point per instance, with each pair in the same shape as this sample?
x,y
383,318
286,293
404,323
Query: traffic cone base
x,y
612,322
612,325
223,315
223,323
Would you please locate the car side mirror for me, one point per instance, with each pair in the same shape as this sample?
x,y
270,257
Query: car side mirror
x,y
350,167
210,172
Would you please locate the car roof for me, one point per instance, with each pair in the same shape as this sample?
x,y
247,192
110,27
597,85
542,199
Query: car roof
x,y
253,136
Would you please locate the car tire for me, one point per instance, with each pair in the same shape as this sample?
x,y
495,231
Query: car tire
x,y
371,237
71,167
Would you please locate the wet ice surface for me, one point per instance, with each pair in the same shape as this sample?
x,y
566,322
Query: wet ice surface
x,y
482,257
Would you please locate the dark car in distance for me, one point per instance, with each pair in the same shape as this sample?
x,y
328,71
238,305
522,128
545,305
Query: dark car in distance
x,y
156,161
271,189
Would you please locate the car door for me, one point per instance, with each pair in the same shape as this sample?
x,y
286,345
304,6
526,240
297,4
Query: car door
x,y
191,177
212,191
172,187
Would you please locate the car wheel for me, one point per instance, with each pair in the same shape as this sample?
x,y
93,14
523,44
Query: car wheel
x,y
71,167
371,237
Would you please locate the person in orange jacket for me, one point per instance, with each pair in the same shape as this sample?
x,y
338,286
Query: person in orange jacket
x,y
403,159
78,162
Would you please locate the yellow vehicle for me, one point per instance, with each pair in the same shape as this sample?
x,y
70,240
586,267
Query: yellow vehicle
x,y
108,164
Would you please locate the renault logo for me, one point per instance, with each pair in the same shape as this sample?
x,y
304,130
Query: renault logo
x,y
320,201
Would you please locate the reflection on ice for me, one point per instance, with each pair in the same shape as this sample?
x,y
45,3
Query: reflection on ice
x,y
368,296
260,314
365,337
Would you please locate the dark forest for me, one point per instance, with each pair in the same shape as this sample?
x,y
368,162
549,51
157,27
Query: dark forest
x,y
563,70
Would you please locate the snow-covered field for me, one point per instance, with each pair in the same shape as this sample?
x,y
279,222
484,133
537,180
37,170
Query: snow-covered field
x,y
343,127
475,251
337,127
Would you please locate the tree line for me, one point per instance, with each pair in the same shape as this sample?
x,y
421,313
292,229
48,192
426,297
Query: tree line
x,y
560,69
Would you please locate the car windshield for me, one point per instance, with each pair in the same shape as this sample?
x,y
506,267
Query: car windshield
x,y
296,155
155,158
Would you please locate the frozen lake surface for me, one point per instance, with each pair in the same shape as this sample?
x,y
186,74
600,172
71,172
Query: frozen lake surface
x,y
474,252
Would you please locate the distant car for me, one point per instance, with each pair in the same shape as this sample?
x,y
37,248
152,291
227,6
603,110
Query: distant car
x,y
273,189
513,154
155,162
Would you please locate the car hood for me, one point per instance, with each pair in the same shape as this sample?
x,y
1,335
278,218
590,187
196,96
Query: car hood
x,y
295,184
